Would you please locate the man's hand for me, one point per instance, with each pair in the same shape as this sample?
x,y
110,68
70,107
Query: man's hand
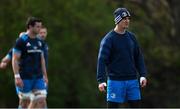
x,y
3,65
46,80
19,82
143,81
102,87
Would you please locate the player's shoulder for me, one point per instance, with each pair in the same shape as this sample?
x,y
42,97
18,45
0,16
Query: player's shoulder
x,y
23,38
130,33
108,35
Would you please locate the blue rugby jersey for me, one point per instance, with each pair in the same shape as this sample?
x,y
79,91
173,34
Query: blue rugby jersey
x,y
119,57
30,60
45,50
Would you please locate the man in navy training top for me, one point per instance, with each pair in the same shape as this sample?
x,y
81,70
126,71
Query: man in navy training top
x,y
29,67
7,59
121,62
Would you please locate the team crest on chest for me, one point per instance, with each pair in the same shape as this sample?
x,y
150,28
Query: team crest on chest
x,y
39,43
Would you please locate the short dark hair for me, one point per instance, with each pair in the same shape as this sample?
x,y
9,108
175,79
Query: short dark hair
x,y
31,21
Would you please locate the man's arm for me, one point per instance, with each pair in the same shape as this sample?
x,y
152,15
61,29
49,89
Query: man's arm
x,y
16,55
15,61
15,66
103,58
6,60
140,65
43,64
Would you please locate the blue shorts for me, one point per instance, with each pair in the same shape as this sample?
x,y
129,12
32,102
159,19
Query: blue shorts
x,y
122,91
29,85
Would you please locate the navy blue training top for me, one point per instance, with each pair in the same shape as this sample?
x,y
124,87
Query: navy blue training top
x,y
30,60
45,50
120,57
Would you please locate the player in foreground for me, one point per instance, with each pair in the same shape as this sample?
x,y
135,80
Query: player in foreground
x,y
121,58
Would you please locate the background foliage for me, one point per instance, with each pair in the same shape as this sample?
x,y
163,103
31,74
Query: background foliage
x,y
75,28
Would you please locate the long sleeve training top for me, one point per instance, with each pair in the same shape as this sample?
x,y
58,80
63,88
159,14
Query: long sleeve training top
x,y
120,58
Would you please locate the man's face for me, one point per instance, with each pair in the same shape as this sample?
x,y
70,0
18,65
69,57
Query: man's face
x,y
36,27
124,23
43,33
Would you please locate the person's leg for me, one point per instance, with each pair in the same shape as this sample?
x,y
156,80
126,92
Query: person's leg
x,y
24,94
24,99
24,103
115,93
39,100
40,93
133,93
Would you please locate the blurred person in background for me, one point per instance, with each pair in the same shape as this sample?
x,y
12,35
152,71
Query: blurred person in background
x,y
8,58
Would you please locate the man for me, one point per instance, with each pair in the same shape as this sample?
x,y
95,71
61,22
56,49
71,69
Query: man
x,y
42,35
29,67
120,56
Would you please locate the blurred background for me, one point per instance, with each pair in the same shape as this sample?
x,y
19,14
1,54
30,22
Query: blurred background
x,y
75,28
